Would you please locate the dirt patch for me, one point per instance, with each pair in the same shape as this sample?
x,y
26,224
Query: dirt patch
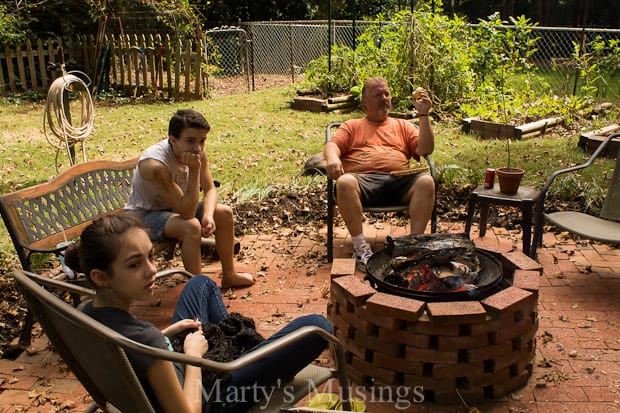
x,y
224,86
302,212
289,212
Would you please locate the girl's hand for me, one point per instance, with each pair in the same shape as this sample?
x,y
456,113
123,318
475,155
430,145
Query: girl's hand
x,y
182,325
195,344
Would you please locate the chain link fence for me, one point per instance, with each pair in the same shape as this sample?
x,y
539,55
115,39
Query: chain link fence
x,y
276,53
564,52
227,55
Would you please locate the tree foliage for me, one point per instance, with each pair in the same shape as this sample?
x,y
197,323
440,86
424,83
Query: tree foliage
x,y
568,13
11,25
45,18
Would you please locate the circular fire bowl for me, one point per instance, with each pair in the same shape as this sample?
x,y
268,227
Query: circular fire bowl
x,y
487,281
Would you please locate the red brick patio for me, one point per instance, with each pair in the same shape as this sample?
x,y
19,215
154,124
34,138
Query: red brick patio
x,y
577,363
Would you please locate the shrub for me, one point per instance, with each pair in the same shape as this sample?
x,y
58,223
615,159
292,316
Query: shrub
x,y
470,70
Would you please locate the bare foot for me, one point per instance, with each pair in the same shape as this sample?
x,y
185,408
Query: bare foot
x,y
237,280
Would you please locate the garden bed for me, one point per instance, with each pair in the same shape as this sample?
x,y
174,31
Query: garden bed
x,y
316,103
589,141
487,129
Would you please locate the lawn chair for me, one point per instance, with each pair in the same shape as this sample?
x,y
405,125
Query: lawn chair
x,y
331,199
604,228
96,354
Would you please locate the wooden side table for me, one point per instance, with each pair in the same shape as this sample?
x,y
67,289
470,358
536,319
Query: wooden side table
x,y
525,198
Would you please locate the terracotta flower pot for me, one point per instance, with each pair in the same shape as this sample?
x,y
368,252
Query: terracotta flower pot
x,y
509,179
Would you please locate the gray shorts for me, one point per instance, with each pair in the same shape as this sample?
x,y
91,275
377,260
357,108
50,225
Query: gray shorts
x,y
384,189
155,221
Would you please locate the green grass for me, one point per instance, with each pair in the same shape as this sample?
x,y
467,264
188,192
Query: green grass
x,y
258,145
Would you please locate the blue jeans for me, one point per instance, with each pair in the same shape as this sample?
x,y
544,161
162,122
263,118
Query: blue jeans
x,y
201,297
275,370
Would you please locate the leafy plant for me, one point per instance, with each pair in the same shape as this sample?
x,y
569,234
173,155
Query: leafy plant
x,y
412,49
342,77
572,186
12,25
596,62
451,175
461,65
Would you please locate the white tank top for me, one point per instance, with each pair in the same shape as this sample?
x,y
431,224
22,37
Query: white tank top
x,y
145,194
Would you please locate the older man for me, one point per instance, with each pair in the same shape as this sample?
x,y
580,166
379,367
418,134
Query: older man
x,y
363,153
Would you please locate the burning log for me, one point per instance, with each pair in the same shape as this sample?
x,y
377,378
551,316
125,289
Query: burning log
x,y
413,244
439,264
447,269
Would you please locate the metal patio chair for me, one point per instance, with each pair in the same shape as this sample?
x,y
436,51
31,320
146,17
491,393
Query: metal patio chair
x,y
604,228
96,354
331,199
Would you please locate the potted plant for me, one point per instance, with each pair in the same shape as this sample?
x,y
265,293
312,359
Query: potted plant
x,y
509,177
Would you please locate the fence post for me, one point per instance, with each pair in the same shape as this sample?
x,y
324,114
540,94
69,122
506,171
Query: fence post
x,y
168,55
128,59
245,49
290,52
9,64
133,60
580,52
177,68
116,60
158,44
20,66
198,70
3,88
42,65
188,68
252,56
150,57
31,66
144,62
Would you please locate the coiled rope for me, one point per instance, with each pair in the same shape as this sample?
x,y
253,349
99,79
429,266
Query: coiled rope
x,y
59,121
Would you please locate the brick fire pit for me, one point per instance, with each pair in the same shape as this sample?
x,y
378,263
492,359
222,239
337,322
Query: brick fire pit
x,y
478,349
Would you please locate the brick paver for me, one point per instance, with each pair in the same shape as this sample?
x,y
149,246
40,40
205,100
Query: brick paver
x,y
577,362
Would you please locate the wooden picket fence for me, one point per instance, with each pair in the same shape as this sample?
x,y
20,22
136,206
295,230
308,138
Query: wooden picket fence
x,y
155,66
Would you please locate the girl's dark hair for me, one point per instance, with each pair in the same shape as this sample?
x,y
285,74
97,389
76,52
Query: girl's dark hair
x,y
186,118
100,243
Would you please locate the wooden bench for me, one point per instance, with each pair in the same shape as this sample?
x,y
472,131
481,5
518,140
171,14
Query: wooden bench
x,y
41,218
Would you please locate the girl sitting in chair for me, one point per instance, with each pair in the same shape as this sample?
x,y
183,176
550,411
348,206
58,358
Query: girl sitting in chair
x,y
116,255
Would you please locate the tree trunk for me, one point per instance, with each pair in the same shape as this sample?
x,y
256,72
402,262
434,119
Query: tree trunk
x,y
538,15
508,9
583,13
542,11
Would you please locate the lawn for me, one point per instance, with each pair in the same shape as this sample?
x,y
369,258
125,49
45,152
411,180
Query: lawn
x,y
258,146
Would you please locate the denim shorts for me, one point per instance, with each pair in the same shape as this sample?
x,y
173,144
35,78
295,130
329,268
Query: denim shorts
x,y
155,221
